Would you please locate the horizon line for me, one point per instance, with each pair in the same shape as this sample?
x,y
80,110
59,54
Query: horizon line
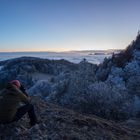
x,y
58,51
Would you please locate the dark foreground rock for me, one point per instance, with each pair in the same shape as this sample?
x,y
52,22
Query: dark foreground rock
x,y
57,123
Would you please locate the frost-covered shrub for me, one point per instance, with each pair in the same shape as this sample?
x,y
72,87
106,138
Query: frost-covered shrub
x,y
133,85
80,80
58,91
87,71
78,84
105,101
28,68
132,77
115,71
116,78
102,99
61,77
41,88
132,69
116,81
136,55
102,74
136,106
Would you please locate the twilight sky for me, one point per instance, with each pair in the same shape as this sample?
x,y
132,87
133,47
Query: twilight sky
x,y
60,25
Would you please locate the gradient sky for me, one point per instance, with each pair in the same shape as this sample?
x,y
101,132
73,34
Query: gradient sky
x,y
59,25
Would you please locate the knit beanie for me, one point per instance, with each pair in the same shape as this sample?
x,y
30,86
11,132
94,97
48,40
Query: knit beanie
x,y
16,83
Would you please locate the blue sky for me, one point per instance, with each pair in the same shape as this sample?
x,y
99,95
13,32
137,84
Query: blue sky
x,y
59,25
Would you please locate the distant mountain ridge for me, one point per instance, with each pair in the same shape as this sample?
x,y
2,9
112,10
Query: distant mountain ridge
x,y
63,51
98,52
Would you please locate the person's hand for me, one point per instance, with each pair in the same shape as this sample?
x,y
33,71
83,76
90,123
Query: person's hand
x,y
22,89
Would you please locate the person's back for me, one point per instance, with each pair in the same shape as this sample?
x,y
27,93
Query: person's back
x,y
9,100
9,104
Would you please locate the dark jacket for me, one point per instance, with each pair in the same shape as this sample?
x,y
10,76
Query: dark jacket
x,y
9,101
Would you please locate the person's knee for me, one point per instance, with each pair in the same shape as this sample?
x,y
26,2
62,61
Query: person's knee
x,y
26,107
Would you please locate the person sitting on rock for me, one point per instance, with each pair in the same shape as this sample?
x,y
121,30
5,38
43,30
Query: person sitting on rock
x,y
10,98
